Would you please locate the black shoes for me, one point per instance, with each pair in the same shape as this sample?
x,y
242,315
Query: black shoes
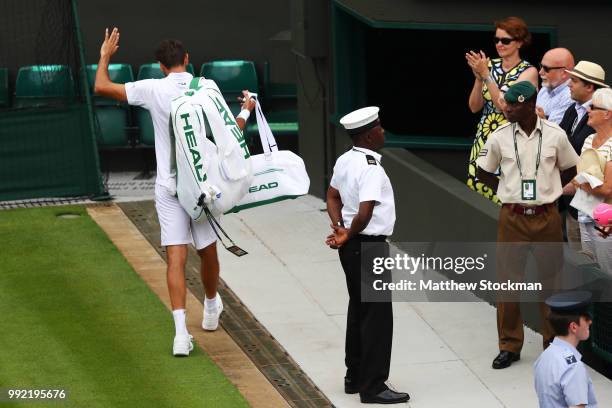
x,y
505,359
387,396
350,387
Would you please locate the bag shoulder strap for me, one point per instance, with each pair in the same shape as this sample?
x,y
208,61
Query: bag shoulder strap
x,y
265,133
195,83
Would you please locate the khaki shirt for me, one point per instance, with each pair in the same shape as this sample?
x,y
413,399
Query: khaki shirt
x,y
557,154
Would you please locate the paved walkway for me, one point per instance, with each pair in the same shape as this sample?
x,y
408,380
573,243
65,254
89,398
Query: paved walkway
x,y
442,352
295,287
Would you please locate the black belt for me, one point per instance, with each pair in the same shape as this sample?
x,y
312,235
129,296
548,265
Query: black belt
x,y
370,238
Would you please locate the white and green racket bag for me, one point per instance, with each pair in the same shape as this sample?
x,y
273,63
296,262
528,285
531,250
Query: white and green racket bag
x,y
212,158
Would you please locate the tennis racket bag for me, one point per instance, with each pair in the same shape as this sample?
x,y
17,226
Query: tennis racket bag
x,y
212,158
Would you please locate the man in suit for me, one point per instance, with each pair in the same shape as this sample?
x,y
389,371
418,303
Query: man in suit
x,y
585,79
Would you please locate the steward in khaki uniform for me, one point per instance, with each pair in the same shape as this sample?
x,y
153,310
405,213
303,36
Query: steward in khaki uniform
x,y
535,159
361,207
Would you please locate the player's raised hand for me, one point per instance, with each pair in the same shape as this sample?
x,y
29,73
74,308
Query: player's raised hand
x,y
110,44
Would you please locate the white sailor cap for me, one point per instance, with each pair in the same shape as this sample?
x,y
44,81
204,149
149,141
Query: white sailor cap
x,y
360,120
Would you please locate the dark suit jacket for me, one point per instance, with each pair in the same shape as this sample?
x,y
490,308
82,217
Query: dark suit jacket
x,y
576,138
581,132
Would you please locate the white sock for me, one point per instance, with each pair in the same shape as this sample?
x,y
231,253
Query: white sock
x,y
210,303
179,322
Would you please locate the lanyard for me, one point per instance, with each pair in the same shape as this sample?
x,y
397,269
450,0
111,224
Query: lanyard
x,y
518,159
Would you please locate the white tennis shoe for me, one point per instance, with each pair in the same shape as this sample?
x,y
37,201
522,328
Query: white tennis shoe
x,y
210,320
182,345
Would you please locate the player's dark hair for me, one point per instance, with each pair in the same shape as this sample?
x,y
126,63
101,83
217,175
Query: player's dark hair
x,y
170,53
560,322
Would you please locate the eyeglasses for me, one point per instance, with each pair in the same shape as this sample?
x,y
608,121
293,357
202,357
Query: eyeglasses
x,y
597,108
503,40
547,69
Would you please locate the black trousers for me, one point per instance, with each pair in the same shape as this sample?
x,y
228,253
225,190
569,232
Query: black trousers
x,y
369,326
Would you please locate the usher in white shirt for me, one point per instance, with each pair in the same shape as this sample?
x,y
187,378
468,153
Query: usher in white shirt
x,y
359,176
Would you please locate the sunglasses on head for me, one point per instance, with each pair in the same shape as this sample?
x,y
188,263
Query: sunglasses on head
x,y
548,69
503,40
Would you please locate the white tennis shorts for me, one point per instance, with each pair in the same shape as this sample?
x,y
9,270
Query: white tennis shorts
x,y
177,228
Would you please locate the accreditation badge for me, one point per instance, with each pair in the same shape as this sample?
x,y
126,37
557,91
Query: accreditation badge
x,y
528,190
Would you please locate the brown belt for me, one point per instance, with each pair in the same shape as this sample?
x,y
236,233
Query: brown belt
x,y
529,210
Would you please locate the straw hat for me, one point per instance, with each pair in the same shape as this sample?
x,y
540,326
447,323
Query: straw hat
x,y
590,72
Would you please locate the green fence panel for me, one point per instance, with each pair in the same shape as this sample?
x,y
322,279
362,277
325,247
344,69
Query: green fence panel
x,y
47,153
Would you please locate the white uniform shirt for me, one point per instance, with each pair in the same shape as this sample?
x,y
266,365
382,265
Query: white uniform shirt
x,y
561,378
155,95
359,177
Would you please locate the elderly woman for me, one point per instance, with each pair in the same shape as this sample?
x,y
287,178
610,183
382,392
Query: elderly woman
x,y
492,78
600,119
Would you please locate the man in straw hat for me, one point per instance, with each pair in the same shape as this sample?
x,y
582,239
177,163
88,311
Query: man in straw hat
x,y
585,79
361,207
536,160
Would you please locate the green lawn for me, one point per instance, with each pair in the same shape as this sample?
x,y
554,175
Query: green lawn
x,y
74,315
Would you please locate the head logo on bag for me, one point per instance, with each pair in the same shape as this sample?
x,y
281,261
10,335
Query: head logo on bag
x,y
269,186
193,144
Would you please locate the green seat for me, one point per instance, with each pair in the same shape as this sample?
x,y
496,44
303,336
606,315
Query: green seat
x,y
44,85
282,122
145,124
112,122
278,90
118,73
4,91
232,77
112,117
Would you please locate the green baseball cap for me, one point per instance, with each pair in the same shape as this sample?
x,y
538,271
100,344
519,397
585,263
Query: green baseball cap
x,y
520,92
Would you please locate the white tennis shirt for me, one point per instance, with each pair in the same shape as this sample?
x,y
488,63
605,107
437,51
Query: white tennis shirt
x,y
155,95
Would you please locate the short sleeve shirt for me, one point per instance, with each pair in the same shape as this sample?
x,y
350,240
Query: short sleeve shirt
x,y
155,95
359,176
556,155
605,149
561,379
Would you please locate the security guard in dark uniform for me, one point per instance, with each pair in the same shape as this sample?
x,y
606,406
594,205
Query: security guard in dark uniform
x,y
561,378
361,206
